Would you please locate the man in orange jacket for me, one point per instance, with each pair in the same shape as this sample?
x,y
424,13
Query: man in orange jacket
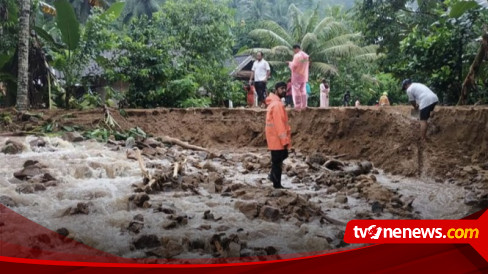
x,y
278,133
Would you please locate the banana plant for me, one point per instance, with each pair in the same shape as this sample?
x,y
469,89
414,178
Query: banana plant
x,y
461,7
68,52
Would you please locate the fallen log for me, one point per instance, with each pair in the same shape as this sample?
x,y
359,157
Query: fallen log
x,y
174,141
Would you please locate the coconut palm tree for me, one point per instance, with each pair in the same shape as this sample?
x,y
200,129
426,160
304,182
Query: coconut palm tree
x,y
23,53
326,41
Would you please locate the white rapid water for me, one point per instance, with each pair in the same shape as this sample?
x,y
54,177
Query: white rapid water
x,y
91,172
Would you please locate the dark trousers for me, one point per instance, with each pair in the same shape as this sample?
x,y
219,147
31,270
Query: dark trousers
x,y
289,100
261,91
277,158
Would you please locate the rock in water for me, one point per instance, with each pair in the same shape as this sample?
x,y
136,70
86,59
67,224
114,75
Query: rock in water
x,y
7,201
63,231
139,199
248,209
39,142
30,163
342,199
130,142
377,207
270,214
73,137
318,158
147,241
334,165
137,224
234,250
81,208
29,172
366,167
26,189
271,250
12,147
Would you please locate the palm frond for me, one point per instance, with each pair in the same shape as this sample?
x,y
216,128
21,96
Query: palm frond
x,y
368,57
293,10
278,64
279,53
279,30
332,29
312,21
268,38
308,42
370,49
343,51
282,50
253,51
322,24
339,40
296,22
323,68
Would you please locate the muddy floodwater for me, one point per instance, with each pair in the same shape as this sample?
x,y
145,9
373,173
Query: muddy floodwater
x,y
220,205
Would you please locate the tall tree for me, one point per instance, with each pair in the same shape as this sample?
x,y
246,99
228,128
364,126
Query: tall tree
x,y
23,49
325,40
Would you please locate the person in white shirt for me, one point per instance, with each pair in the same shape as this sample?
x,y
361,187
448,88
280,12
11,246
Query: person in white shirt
x,y
421,97
260,73
324,94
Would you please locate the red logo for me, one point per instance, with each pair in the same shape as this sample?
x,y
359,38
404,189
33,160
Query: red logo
x,y
473,232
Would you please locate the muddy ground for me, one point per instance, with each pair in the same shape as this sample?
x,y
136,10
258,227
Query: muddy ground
x,y
386,136
350,163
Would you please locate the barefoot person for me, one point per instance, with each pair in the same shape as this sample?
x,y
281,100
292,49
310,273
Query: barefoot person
x,y
278,133
421,97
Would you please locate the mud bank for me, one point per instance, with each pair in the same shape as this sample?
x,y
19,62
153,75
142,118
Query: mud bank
x,y
386,136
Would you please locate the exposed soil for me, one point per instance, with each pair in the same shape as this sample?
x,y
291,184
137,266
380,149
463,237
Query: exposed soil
x,y
220,204
386,136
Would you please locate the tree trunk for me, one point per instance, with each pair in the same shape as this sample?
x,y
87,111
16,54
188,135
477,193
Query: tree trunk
x,y
469,82
23,49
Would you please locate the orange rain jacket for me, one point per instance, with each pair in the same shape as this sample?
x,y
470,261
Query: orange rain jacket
x,y
278,131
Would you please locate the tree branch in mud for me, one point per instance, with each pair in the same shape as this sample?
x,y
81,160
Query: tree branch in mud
x,y
469,82
145,173
178,168
174,141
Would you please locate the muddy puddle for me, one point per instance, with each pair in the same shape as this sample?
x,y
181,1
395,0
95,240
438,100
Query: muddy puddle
x,y
218,206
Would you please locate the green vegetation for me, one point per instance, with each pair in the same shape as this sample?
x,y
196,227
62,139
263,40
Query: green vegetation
x,y
169,53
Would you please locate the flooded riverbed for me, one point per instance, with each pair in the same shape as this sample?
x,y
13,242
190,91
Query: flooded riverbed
x,y
96,192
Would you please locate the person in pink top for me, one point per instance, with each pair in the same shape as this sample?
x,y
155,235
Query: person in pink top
x,y
299,77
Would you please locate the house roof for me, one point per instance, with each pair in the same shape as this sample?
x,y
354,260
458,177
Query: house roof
x,y
244,66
